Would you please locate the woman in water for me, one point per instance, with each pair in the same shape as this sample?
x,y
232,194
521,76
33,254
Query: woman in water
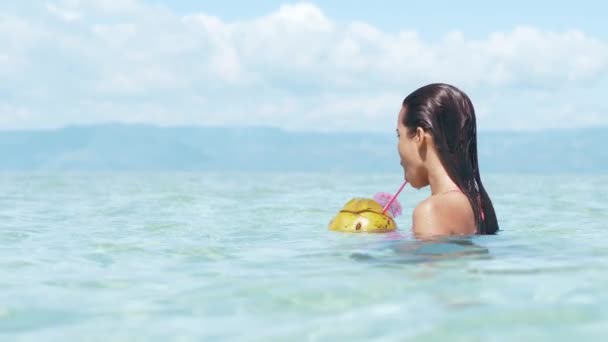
x,y
438,147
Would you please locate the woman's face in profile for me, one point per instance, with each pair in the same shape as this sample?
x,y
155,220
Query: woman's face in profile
x,y
409,154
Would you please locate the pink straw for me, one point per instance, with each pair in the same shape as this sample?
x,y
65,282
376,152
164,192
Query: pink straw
x,y
393,198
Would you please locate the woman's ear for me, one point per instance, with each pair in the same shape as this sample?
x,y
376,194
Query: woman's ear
x,y
421,142
419,135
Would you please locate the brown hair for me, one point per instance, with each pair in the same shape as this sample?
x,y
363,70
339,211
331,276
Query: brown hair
x,y
448,115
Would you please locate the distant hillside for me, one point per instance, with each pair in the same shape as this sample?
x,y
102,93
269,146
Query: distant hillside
x,y
140,147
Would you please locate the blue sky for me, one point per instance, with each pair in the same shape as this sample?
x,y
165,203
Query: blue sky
x,y
331,65
475,18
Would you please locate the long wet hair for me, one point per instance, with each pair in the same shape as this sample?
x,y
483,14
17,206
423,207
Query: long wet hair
x,y
448,115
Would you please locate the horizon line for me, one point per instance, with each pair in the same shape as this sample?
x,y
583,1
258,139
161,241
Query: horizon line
x,y
273,127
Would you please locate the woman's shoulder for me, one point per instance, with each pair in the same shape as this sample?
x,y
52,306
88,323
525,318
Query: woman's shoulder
x,y
444,215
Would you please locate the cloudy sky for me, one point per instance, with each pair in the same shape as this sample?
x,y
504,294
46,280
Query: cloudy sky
x,y
325,65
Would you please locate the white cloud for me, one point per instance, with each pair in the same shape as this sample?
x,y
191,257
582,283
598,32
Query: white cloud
x,y
63,13
92,61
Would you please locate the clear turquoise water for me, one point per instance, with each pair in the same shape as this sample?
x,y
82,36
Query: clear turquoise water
x,y
189,257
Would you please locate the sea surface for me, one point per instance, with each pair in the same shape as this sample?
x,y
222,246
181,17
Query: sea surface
x,y
163,256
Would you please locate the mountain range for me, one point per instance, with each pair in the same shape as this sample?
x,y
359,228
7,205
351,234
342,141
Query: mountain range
x,y
144,147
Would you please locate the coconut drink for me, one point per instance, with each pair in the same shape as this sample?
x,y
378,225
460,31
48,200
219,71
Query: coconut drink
x,y
367,215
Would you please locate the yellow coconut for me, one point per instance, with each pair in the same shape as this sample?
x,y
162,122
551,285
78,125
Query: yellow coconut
x,y
362,215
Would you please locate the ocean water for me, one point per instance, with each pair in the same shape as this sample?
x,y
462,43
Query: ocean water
x,y
141,256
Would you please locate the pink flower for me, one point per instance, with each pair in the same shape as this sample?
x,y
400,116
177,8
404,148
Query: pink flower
x,y
383,198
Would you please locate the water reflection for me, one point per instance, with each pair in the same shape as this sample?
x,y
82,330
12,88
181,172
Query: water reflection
x,y
420,251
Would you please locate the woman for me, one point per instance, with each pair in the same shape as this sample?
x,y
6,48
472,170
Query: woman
x,y
438,147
